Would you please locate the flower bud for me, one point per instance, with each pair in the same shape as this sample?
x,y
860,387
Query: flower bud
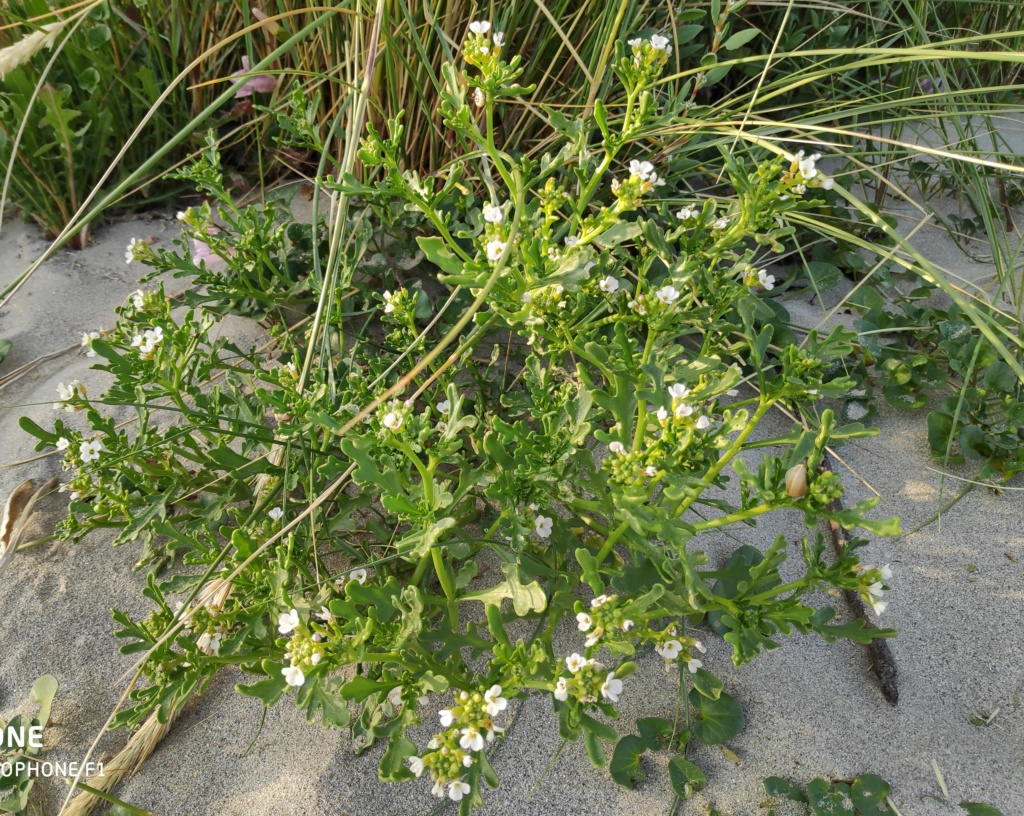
x,y
796,481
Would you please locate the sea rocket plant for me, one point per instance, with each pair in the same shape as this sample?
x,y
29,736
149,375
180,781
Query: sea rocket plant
x,y
335,500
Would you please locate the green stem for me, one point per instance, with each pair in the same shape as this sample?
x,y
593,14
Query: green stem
x,y
613,537
732,518
727,457
444,576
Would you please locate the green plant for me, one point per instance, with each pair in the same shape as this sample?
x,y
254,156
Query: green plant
x,y
335,553
20,748
866,795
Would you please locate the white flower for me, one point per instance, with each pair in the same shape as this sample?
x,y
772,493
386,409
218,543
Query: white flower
x,y
766,280
600,601
389,305
703,423
480,27
499,38
807,169
611,688
667,295
662,415
438,789
575,662
651,471
542,525
826,184
678,391
571,240
147,342
293,676
670,649
287,621
69,392
627,625
495,702
87,339
700,647
561,690
642,169
617,447
584,621
886,573
358,575
660,43
416,766
692,665
608,284
325,615
392,421
494,249
90,451
492,214
721,223
800,189
471,740
275,513
686,213
62,443
129,253
447,717
636,42
594,637
208,643
683,410
443,407
138,299
456,790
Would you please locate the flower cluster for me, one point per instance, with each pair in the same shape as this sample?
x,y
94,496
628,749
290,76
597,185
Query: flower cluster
x,y
69,395
671,647
148,342
587,682
605,616
803,173
873,584
305,650
642,180
469,728
138,250
482,49
396,301
649,56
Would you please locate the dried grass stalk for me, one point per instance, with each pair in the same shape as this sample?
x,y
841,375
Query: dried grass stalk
x,y
24,49
126,763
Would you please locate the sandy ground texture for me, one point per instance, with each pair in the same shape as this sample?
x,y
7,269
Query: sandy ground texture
x,y
812,709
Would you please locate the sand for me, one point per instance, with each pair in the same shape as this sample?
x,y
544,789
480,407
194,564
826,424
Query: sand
x,y
812,709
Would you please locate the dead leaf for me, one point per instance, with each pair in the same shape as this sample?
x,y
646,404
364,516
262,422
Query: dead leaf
x,y
17,515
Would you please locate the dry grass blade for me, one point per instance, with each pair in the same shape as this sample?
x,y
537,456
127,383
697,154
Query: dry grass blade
x,y
142,743
17,514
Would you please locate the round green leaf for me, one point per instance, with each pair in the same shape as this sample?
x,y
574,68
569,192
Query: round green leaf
x,y
718,720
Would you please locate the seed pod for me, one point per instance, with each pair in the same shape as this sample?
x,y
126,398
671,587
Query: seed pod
x,y
796,481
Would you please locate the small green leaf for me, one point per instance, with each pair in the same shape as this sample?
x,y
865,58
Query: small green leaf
x,y
707,684
718,720
685,776
43,691
625,766
392,764
980,809
868,793
777,786
740,38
